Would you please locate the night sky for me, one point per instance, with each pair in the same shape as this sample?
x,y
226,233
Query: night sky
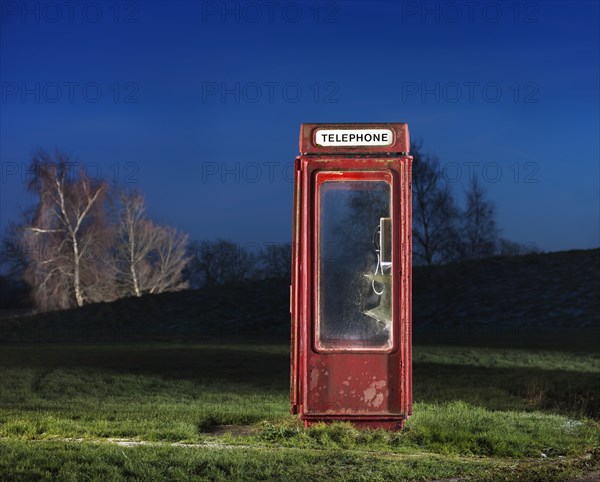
x,y
199,104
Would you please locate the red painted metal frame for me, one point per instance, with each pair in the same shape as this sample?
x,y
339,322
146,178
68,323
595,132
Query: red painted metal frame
x,y
374,386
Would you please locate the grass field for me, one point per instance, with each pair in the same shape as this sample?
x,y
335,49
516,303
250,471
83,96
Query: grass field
x,y
220,412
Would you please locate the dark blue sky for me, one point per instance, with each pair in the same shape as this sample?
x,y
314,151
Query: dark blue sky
x,y
199,104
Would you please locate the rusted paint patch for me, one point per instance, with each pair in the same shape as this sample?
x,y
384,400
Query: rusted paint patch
x,y
314,378
372,397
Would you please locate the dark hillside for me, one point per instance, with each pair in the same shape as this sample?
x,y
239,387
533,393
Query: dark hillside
x,y
257,310
543,290
516,299
504,296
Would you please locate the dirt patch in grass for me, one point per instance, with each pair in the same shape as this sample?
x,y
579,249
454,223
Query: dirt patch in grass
x,y
230,429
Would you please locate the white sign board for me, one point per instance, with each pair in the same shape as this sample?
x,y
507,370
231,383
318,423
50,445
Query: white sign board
x,y
354,137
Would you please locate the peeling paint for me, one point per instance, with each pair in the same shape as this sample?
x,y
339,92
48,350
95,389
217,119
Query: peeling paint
x,y
314,378
373,398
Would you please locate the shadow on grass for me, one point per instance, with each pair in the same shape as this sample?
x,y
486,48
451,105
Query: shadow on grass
x,y
576,393
560,339
259,366
267,367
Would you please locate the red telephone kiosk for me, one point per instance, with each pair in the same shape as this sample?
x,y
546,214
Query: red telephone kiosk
x,y
351,275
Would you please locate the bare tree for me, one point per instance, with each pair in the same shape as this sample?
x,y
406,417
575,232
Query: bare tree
x,y
276,260
14,292
221,262
234,262
479,224
201,268
168,261
149,258
13,260
434,210
133,243
66,238
507,247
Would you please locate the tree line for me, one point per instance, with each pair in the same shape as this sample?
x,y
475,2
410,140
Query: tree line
x,y
442,231
85,241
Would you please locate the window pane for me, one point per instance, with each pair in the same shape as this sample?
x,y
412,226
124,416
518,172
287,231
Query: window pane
x,y
355,280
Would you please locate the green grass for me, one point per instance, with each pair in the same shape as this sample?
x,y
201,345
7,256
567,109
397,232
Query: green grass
x,y
84,461
508,379
479,413
148,392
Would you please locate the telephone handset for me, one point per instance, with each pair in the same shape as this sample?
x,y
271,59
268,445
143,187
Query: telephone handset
x,y
381,279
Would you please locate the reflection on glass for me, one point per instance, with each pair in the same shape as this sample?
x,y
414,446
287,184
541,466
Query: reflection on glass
x,y
355,280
